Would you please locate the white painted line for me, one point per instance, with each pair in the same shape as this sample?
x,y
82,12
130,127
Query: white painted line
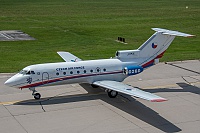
x,y
6,36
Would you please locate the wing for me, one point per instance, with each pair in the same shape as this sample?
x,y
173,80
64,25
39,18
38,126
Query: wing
x,y
129,90
68,57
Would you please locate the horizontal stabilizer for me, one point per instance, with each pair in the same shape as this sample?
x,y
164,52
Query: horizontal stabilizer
x,y
129,90
68,57
170,32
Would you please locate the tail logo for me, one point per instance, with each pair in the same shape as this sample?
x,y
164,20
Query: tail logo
x,y
154,45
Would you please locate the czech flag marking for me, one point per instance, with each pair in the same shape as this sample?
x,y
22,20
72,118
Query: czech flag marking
x,y
154,45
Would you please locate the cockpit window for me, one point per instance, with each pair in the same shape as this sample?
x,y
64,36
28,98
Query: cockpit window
x,y
23,72
32,72
26,72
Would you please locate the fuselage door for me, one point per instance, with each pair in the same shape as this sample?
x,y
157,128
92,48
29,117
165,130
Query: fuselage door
x,y
45,77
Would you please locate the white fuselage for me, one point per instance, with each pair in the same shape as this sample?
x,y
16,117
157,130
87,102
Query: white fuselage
x,y
70,72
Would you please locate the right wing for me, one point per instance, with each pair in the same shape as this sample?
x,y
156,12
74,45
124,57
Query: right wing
x,y
129,90
68,57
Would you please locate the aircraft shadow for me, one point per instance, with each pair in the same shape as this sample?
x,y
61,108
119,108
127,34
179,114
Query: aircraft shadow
x,y
185,88
130,106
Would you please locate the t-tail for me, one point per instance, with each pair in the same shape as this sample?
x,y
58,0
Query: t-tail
x,y
149,52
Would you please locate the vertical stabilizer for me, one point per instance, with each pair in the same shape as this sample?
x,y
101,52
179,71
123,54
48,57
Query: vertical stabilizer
x,y
157,44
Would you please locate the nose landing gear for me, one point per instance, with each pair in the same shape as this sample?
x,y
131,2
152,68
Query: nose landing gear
x,y
35,95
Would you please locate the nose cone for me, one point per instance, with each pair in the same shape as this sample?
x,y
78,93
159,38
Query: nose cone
x,y
13,81
10,82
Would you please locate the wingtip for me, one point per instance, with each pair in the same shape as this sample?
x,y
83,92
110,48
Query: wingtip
x,y
190,36
159,100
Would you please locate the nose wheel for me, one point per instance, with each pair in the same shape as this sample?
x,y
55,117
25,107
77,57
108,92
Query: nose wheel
x,y
35,94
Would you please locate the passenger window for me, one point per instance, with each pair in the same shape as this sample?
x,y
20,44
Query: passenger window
x,y
91,71
71,72
57,74
84,71
98,69
64,73
104,69
78,72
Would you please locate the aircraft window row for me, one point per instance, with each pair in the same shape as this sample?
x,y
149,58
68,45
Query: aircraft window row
x,y
78,72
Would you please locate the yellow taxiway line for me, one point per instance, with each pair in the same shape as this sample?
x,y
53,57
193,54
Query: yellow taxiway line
x,y
9,103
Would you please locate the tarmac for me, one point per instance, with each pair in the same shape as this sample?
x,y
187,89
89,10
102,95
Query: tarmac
x,y
14,35
82,109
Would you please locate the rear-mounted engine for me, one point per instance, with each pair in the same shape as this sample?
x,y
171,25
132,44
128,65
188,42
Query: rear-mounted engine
x,y
127,54
132,70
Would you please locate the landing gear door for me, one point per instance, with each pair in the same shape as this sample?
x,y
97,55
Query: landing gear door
x,y
45,77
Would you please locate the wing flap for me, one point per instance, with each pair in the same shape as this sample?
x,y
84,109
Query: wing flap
x,y
129,90
68,57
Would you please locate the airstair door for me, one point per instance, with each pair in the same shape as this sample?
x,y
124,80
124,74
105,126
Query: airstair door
x,y
45,77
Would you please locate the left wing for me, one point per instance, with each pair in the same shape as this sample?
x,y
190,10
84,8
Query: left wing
x,y
68,57
129,90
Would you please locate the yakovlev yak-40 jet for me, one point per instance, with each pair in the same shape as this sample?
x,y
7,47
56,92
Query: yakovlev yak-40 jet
x,y
106,73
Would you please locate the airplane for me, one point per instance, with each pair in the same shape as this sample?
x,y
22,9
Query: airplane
x,y
105,73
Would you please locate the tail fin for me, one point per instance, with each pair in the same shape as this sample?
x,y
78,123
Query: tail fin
x,y
157,44
153,49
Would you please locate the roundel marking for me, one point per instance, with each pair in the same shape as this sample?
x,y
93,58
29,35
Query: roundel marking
x,y
154,45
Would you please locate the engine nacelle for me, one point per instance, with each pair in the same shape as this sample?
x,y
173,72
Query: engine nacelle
x,y
132,70
127,54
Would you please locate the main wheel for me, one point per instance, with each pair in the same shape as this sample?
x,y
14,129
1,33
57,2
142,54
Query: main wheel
x,y
112,94
37,96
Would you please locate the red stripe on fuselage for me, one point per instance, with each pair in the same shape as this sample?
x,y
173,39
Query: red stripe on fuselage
x,y
160,55
66,78
150,63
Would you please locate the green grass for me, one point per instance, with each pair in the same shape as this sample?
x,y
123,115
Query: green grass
x,y
89,28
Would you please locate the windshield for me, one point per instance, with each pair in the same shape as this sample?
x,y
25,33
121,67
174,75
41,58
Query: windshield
x,y
26,72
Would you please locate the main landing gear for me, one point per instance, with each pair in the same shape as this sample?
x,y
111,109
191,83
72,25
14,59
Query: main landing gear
x,y
111,93
35,94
